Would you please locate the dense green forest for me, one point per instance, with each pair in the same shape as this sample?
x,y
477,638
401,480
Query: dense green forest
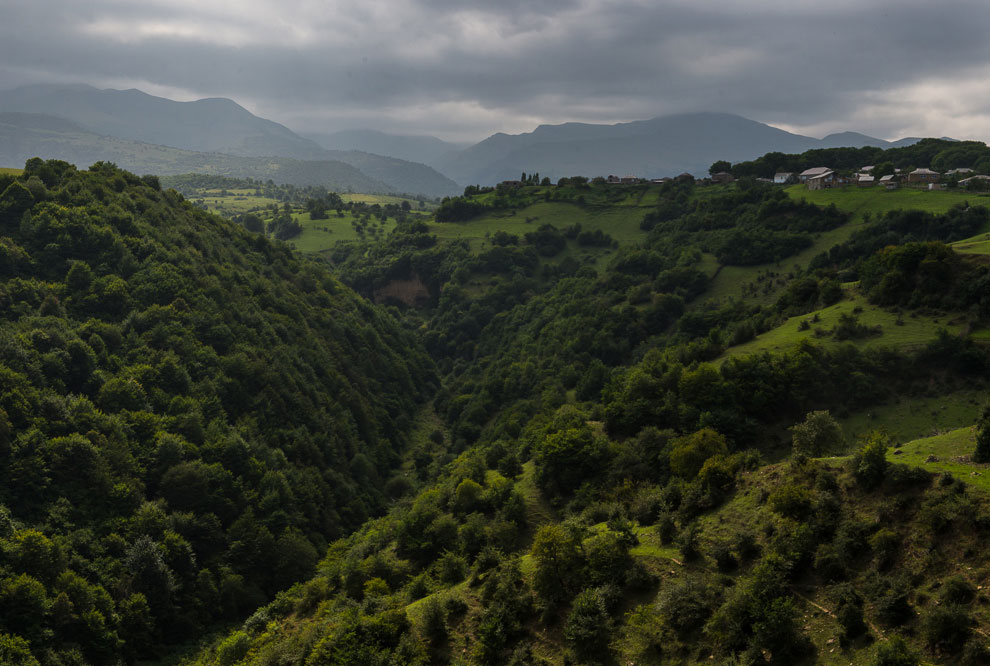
x,y
619,491
553,457
188,415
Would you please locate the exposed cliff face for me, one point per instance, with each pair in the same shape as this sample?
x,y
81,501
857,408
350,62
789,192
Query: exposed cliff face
x,y
412,292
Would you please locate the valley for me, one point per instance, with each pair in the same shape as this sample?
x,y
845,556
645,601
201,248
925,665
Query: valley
x,y
538,423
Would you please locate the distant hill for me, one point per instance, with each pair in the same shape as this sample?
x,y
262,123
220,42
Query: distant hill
x,y
24,135
414,148
205,125
662,146
212,125
401,175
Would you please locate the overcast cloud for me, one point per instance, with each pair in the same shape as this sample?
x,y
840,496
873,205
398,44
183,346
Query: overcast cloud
x,y
464,69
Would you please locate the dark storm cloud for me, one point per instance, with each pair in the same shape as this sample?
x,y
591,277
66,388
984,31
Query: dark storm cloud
x,y
466,68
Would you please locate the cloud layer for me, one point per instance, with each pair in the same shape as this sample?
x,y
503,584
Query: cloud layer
x,y
461,69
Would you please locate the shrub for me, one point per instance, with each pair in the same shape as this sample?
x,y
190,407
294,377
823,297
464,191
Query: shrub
x,y
849,613
233,648
685,605
791,501
975,653
828,563
666,528
957,590
892,606
690,452
724,559
982,452
870,462
895,652
885,543
688,543
946,627
607,558
451,568
434,622
746,545
588,628
817,434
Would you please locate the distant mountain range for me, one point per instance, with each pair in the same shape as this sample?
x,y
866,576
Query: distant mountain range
x,y
26,135
151,134
664,146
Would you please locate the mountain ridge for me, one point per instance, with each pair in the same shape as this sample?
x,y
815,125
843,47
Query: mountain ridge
x,y
654,147
660,146
23,136
213,125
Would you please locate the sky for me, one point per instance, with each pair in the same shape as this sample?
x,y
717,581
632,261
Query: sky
x,y
464,69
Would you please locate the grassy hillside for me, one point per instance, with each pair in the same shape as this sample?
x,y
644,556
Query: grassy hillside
x,y
947,453
862,201
383,199
323,235
978,244
909,417
685,599
887,327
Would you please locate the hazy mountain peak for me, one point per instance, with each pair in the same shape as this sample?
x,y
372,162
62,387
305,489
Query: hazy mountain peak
x,y
660,146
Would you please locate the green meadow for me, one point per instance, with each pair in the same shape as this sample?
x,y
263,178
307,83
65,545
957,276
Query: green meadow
x,y
907,418
234,202
901,330
11,171
876,200
754,284
322,235
385,199
978,244
948,453
620,222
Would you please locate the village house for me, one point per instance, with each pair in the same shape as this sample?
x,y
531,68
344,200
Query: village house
x,y
972,180
722,177
814,172
865,180
889,181
822,181
783,177
629,180
962,171
613,180
923,176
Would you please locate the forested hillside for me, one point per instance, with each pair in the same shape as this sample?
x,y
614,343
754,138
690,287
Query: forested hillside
x,y
205,427
620,487
189,414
